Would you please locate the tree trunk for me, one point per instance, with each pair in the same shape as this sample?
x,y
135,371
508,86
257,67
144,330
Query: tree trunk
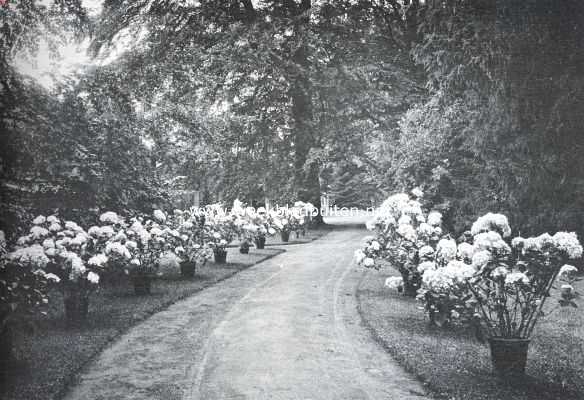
x,y
306,177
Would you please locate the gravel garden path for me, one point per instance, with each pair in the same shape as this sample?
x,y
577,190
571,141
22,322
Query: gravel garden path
x,y
287,328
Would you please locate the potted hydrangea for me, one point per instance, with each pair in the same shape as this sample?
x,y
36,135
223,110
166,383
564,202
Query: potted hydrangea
x,y
147,240
66,247
220,230
23,289
406,236
513,282
501,285
279,220
189,244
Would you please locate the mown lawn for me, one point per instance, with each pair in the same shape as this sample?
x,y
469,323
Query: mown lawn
x,y
454,365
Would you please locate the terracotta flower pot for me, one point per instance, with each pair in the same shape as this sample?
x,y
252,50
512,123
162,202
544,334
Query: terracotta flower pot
x,y
188,268
509,356
285,236
260,242
142,284
220,256
76,309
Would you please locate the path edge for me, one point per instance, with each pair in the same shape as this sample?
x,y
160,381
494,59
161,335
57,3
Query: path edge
x,y
378,338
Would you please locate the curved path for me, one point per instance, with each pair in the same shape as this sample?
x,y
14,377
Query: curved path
x,y
287,328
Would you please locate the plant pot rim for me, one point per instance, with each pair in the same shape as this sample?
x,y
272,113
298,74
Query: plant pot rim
x,y
505,339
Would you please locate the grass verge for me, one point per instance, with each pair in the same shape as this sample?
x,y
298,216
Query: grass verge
x,y
48,357
454,365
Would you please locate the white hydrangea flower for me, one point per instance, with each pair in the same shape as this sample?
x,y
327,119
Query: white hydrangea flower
x,y
418,192
538,243
491,241
567,290
517,242
179,250
94,231
446,249
106,231
93,277
48,243
52,219
32,255
375,246
434,218
359,256
568,243
155,231
371,224
481,259
119,249
120,237
39,220
515,278
159,215
425,251
567,270
404,220
52,277
490,222
499,272
51,252
425,229
394,282
79,240
407,232
426,265
187,225
70,225
458,271
436,280
110,217
130,244
368,262
55,227
465,250
135,262
38,232
98,260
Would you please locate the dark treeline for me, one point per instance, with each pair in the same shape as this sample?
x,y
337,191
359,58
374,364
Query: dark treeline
x,y
478,102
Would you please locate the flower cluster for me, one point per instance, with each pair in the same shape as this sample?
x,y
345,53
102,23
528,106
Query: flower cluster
x,y
406,236
501,282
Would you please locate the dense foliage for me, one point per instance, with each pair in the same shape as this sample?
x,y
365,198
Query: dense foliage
x,y
479,101
506,87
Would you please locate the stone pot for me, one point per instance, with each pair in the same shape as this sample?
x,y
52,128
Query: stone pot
x,y
509,356
220,256
142,284
285,236
188,268
260,242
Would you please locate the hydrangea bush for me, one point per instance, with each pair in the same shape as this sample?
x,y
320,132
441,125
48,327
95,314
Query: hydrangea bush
x,y
498,282
190,244
23,282
405,236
